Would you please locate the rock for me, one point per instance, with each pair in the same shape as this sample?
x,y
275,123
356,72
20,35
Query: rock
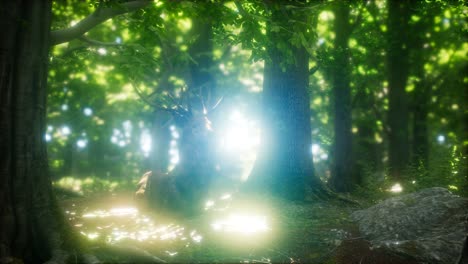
x,y
429,226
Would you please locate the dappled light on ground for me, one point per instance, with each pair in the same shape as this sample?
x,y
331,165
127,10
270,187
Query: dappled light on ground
x,y
230,229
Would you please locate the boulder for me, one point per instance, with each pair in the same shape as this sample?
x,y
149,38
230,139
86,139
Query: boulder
x,y
429,225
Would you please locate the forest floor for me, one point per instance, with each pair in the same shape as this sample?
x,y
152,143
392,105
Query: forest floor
x,y
232,230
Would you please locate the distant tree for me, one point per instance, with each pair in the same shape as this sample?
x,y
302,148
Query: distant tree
x,y
399,13
422,88
341,176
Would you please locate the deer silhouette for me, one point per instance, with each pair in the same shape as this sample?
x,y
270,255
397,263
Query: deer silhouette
x,y
183,189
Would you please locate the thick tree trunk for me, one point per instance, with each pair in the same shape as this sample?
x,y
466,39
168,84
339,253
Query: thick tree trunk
x,y
284,164
398,66
341,178
31,227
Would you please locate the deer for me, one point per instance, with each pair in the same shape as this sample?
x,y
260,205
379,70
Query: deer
x,y
183,189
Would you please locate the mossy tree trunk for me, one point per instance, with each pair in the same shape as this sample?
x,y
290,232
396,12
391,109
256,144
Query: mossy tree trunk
x,y
31,229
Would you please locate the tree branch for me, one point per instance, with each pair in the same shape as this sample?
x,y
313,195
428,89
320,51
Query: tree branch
x,y
96,18
94,42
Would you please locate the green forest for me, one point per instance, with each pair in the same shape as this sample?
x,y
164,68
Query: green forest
x,y
234,131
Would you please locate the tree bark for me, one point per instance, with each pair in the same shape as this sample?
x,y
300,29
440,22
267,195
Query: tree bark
x,y
341,178
398,67
284,165
31,227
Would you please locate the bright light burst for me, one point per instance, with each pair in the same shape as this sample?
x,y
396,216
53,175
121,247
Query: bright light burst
x,y
242,224
240,139
81,143
240,135
87,111
396,188
145,142
65,130
441,139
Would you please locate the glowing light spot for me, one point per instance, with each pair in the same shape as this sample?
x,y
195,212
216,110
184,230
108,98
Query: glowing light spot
x,y
226,196
124,211
171,253
145,142
64,107
122,143
48,137
81,143
92,236
320,41
197,238
324,156
65,130
175,159
114,139
441,139
209,204
240,135
118,40
102,51
396,188
87,111
242,224
315,149
175,134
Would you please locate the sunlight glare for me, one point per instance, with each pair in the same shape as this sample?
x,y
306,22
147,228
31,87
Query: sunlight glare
x,y
65,130
242,224
87,111
315,149
102,51
81,143
145,142
209,204
396,188
441,139
239,136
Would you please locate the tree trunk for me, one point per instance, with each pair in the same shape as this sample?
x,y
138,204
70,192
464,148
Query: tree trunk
x,y
201,68
397,59
341,178
31,227
420,124
284,164
422,92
